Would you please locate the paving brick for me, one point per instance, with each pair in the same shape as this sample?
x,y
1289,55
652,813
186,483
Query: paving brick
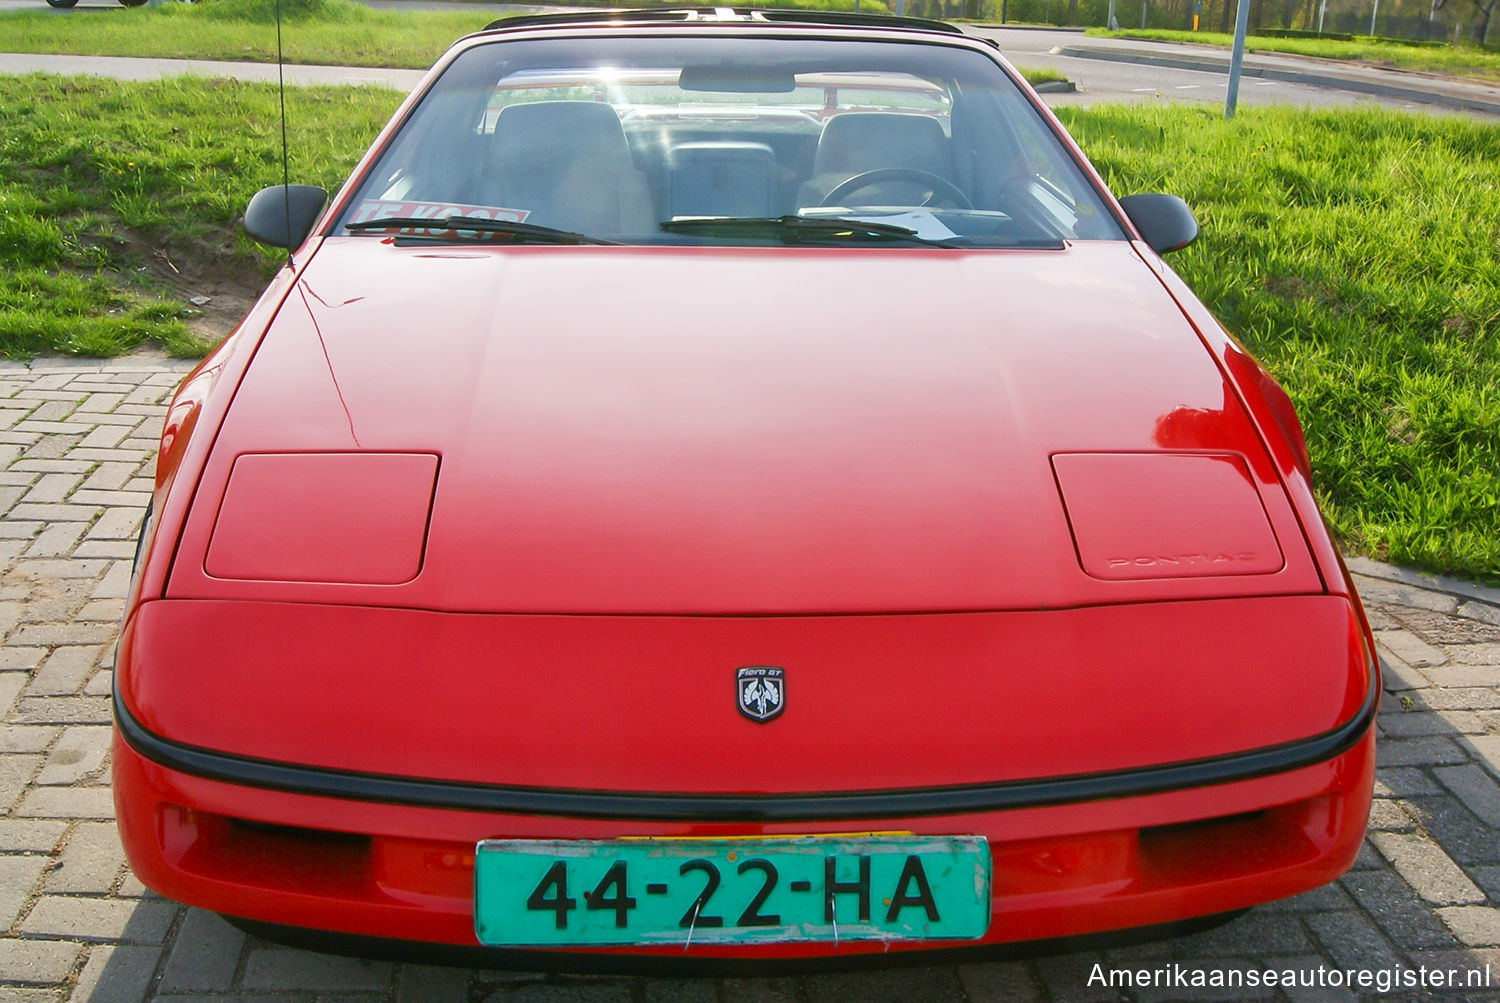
x,y
56,540
1473,968
1352,941
1427,869
1473,925
1386,815
83,918
1486,655
1455,675
1403,596
432,984
205,955
103,610
117,524
19,529
1472,786
29,836
67,802
769,990
933,984
16,772
1458,831
1484,612
1426,751
53,512
1397,909
283,968
78,754
62,710
1421,723
116,974
116,582
34,738
52,488
11,685
37,962
1471,698
104,436
51,635
1410,648
1487,749
18,876
616,992
65,670
1066,977
90,862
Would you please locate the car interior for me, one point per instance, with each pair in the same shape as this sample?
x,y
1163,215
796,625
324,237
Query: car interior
x,y
645,153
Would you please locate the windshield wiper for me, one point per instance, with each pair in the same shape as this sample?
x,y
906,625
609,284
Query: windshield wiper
x,y
819,228
526,231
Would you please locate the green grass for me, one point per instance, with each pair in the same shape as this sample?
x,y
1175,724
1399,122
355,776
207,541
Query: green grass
x,y
108,191
321,32
1043,75
1357,253
1457,60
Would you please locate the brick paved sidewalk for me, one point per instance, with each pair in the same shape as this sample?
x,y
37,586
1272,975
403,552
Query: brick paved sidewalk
x,y
76,441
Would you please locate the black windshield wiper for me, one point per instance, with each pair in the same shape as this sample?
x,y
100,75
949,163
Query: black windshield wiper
x,y
525,231
819,228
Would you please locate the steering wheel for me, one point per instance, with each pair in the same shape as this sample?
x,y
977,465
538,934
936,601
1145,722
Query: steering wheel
x,y
940,186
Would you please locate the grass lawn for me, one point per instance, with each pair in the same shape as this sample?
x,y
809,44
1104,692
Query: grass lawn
x,y
1457,60
323,32
1356,252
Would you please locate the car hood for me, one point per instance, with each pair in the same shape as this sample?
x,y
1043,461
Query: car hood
x,y
736,431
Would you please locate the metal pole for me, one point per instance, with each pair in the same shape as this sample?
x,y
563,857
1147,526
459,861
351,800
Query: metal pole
x,y
1113,24
1322,10
1143,13
1373,11
1241,25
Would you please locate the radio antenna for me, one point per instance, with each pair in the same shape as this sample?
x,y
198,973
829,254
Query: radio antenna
x,y
286,184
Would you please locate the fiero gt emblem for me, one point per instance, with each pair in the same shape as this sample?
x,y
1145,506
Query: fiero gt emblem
x,y
760,691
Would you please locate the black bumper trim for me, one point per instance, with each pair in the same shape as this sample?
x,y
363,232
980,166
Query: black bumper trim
x,y
817,807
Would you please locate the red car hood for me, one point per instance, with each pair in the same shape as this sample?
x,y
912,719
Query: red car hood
x,y
627,430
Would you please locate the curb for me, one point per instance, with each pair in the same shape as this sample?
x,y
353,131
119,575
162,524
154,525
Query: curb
x,y
1055,87
1313,77
1455,587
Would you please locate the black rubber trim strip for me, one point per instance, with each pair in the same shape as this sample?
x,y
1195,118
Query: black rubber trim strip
x,y
826,806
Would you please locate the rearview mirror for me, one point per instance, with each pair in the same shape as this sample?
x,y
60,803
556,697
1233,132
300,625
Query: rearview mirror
x,y
1165,221
737,78
283,215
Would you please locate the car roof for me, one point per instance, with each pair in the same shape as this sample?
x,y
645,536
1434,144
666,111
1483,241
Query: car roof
x,y
789,17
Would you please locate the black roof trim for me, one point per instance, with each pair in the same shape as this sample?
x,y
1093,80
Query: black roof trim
x,y
738,15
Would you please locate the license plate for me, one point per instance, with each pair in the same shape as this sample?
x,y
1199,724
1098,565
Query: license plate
x,y
552,893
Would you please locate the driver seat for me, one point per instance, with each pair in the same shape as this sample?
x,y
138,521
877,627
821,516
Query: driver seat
x,y
856,142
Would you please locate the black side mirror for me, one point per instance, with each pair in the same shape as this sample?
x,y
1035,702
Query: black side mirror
x,y
1165,221
283,215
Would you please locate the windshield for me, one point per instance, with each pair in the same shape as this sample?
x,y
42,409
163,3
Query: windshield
x,y
651,139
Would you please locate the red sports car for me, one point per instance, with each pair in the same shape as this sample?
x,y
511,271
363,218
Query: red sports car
x,y
733,485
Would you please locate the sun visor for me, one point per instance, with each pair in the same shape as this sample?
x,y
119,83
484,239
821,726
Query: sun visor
x,y
354,518
1165,515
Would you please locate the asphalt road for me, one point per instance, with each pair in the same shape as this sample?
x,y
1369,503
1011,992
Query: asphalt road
x,y
1097,80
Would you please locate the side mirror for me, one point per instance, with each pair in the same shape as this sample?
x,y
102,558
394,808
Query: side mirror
x,y
283,215
1165,221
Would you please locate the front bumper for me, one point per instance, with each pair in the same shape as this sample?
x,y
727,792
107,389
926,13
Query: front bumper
x,y
405,871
